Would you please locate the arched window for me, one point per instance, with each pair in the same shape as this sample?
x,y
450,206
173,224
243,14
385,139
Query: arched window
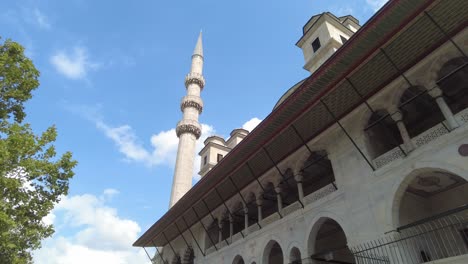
x,y
238,218
225,232
327,243
270,204
419,110
432,207
252,209
295,256
238,260
317,172
453,80
382,134
289,188
430,193
273,254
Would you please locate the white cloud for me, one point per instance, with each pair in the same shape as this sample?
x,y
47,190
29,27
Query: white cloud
x,y
163,148
74,65
100,236
251,124
41,20
376,4
108,194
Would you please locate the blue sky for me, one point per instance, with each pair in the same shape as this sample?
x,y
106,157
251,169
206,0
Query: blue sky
x,y
111,81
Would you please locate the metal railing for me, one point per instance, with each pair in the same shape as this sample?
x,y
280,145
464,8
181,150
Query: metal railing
x,y
438,237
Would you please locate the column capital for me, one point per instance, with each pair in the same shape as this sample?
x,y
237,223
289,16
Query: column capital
x,y
435,92
259,200
278,190
397,116
299,177
246,210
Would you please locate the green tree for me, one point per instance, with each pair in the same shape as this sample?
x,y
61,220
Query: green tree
x,y
32,177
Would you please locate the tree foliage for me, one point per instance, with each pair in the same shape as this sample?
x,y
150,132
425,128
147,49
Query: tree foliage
x,y
32,177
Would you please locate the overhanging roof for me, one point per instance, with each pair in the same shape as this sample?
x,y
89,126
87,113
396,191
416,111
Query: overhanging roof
x,y
400,28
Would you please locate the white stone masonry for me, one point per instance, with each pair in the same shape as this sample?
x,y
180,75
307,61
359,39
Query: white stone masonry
x,y
188,129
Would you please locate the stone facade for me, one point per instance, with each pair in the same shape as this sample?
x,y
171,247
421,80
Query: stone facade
x,y
351,194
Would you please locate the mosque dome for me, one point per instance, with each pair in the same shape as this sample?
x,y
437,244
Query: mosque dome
x,y
288,93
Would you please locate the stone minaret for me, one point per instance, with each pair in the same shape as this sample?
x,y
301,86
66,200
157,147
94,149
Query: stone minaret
x,y
188,129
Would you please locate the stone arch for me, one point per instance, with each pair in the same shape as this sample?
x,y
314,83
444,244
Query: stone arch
x,y
315,233
289,191
252,260
438,62
302,159
455,84
271,177
237,211
272,253
251,196
317,172
269,199
238,260
251,200
223,217
420,111
400,187
294,244
398,88
295,256
381,133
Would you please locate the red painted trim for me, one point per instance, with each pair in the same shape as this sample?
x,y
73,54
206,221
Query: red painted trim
x,y
300,90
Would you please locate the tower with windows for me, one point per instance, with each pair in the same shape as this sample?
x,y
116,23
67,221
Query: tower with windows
x,y
324,34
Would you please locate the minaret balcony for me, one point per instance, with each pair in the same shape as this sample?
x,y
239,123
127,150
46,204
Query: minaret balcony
x,y
191,101
195,78
188,126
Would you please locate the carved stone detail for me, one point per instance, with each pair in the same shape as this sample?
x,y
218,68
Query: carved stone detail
x,y
188,126
195,78
191,101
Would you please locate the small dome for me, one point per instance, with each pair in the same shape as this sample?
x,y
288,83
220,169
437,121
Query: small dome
x,y
288,93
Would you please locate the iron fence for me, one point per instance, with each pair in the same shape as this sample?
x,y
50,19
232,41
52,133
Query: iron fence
x,y
438,237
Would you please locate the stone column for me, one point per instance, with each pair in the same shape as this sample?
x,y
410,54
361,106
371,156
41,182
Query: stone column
x,y
279,198
300,190
398,118
246,218
436,93
259,207
231,227
220,230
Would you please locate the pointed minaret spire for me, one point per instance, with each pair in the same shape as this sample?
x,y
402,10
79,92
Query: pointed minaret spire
x,y
199,47
188,129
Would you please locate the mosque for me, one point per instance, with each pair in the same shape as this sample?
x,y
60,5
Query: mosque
x,y
364,161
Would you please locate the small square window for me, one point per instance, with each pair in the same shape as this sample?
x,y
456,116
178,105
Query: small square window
x,y
219,157
343,39
205,160
316,44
